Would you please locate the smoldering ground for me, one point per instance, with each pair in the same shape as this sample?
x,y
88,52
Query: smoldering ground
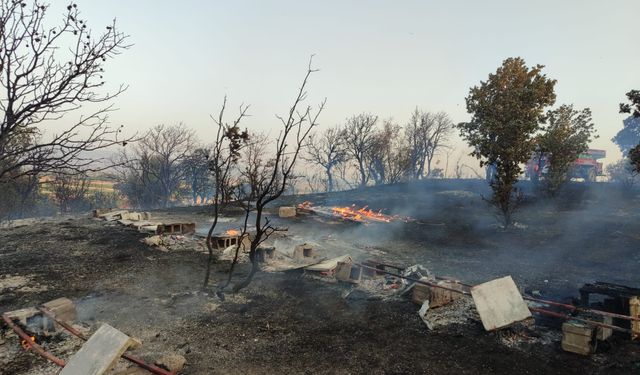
x,y
291,324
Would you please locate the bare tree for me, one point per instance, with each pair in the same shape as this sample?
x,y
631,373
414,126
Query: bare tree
x,y
197,174
153,172
46,73
69,190
296,126
327,149
227,146
387,158
360,131
426,133
255,162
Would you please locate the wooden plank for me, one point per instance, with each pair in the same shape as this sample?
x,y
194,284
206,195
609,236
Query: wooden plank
x,y
329,264
100,353
499,303
634,309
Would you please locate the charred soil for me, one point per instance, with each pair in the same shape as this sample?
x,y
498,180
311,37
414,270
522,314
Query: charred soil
x,y
287,323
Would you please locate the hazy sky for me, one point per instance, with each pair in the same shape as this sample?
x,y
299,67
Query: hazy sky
x,y
384,57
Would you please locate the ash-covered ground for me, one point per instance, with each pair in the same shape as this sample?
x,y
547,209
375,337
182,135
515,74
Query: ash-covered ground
x,y
287,323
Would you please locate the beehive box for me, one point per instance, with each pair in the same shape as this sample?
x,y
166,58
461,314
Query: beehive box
x,y
436,296
578,338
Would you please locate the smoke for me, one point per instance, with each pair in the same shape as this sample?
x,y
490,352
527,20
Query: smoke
x,y
587,233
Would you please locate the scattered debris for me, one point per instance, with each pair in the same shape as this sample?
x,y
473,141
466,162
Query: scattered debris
x,y
459,311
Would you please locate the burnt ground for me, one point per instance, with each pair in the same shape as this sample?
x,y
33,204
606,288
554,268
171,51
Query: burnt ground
x,y
285,323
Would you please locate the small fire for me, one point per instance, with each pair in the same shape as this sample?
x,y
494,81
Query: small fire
x,y
232,233
353,213
26,345
361,214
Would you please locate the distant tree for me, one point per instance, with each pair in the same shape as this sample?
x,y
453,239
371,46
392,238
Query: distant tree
x,y
46,73
623,173
426,134
507,110
565,136
360,131
388,158
327,149
197,174
255,163
634,109
70,191
153,172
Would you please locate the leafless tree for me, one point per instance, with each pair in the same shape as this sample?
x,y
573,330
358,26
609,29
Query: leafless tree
x,y
255,162
360,131
387,158
47,73
69,190
197,174
226,150
154,167
426,133
296,126
327,149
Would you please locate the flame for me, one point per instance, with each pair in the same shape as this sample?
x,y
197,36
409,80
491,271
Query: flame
x,y
26,345
353,213
232,233
361,214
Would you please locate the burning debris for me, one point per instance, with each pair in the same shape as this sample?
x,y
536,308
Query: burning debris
x,y
350,213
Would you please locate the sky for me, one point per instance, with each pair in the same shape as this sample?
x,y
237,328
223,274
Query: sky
x,y
383,57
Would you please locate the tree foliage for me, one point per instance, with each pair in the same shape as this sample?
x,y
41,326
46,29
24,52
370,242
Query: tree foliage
x,y
634,106
629,136
623,173
507,109
565,136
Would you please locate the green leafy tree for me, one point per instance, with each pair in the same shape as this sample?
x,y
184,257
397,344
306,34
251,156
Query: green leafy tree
x,y
634,109
507,110
566,135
